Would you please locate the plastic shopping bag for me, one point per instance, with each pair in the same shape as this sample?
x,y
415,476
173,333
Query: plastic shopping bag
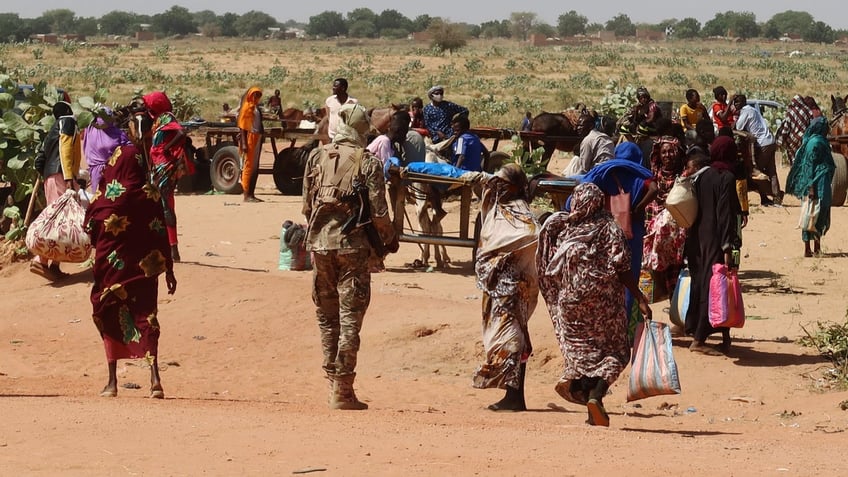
x,y
653,371
726,307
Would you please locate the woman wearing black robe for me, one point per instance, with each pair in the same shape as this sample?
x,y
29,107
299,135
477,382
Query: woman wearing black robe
x,y
712,239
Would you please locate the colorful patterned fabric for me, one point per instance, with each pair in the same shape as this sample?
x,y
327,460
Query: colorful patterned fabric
x,y
127,228
580,255
506,273
791,130
437,118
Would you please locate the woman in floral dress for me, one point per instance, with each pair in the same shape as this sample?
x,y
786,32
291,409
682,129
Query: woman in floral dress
x,y
127,227
583,264
506,272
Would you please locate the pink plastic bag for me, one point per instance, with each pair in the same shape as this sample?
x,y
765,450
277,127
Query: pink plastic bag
x,y
726,307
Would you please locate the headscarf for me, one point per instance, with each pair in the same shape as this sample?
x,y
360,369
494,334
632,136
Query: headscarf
x,y
353,125
813,162
657,166
507,221
723,153
248,108
626,167
101,139
157,103
579,248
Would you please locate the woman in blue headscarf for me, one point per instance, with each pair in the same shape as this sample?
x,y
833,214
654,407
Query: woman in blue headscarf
x,y
811,176
626,169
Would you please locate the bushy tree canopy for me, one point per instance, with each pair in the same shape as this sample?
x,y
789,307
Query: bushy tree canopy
x,y
176,21
621,25
255,24
522,23
788,22
448,36
327,24
687,28
571,23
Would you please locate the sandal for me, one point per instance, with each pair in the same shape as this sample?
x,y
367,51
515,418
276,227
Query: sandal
x,y
58,272
157,393
597,414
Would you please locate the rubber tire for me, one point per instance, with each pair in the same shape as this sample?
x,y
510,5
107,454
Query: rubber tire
x,y
840,180
496,160
289,166
225,171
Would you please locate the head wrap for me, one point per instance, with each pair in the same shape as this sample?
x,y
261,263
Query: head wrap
x,y
248,107
723,153
435,88
586,200
628,151
62,108
157,103
814,165
656,151
353,126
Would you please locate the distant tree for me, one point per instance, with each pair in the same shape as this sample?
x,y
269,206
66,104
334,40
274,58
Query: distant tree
x,y
571,23
176,21
448,36
474,31
362,29
495,29
522,23
788,22
544,29
819,32
86,26
210,30
255,24
742,25
421,22
687,28
621,25
392,20
118,22
13,28
360,15
327,24
61,20
228,24
594,28
205,17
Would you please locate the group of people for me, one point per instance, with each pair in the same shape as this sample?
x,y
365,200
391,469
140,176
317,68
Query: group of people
x,y
584,260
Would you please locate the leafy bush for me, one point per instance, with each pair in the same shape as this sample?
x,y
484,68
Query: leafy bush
x,y
831,340
530,159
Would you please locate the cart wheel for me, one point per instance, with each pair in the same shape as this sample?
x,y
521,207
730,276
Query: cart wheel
x,y
840,180
495,161
225,171
478,224
288,170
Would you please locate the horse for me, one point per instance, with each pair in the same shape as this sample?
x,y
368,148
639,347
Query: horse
x,y
381,117
562,126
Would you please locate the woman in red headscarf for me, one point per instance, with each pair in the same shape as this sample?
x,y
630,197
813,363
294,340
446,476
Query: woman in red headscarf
x,y
127,227
167,157
250,141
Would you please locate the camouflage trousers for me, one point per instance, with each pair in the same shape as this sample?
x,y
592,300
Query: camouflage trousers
x,y
341,291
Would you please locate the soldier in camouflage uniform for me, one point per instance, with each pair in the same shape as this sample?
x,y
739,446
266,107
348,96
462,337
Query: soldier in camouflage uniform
x,y
341,288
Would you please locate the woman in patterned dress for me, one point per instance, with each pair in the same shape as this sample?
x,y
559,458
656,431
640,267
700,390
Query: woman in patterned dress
x,y
584,266
127,227
662,249
506,272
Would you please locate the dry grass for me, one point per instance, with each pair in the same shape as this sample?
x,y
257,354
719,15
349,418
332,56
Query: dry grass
x,y
498,79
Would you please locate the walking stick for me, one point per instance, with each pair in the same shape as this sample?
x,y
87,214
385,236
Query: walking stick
x,y
32,197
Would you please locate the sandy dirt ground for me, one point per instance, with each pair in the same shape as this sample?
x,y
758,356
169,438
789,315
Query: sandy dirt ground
x,y
246,396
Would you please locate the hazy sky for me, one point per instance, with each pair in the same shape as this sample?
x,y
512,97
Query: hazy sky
x,y
648,11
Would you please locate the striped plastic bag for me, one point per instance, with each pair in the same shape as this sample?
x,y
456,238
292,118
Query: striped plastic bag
x,y
680,298
653,370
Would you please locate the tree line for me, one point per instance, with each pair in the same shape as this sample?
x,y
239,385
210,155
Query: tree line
x,y
365,23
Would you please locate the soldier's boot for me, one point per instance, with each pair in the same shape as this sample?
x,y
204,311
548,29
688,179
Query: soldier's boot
x,y
343,396
330,386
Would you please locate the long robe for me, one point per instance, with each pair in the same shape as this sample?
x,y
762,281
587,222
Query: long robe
x,y
813,168
127,227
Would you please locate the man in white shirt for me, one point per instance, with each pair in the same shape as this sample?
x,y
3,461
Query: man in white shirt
x,y
595,148
752,122
334,103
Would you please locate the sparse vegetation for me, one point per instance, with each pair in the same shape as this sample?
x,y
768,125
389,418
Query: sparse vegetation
x,y
831,340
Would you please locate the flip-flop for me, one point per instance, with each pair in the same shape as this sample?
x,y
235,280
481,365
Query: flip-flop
x,y
157,393
109,393
597,414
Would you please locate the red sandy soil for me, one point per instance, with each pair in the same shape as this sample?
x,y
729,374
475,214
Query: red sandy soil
x,y
246,396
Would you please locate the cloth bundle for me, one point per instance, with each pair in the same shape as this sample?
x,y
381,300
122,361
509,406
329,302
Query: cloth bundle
x,y
57,233
682,202
293,254
810,210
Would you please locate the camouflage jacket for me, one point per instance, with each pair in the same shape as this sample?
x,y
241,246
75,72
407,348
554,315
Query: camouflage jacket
x,y
325,220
